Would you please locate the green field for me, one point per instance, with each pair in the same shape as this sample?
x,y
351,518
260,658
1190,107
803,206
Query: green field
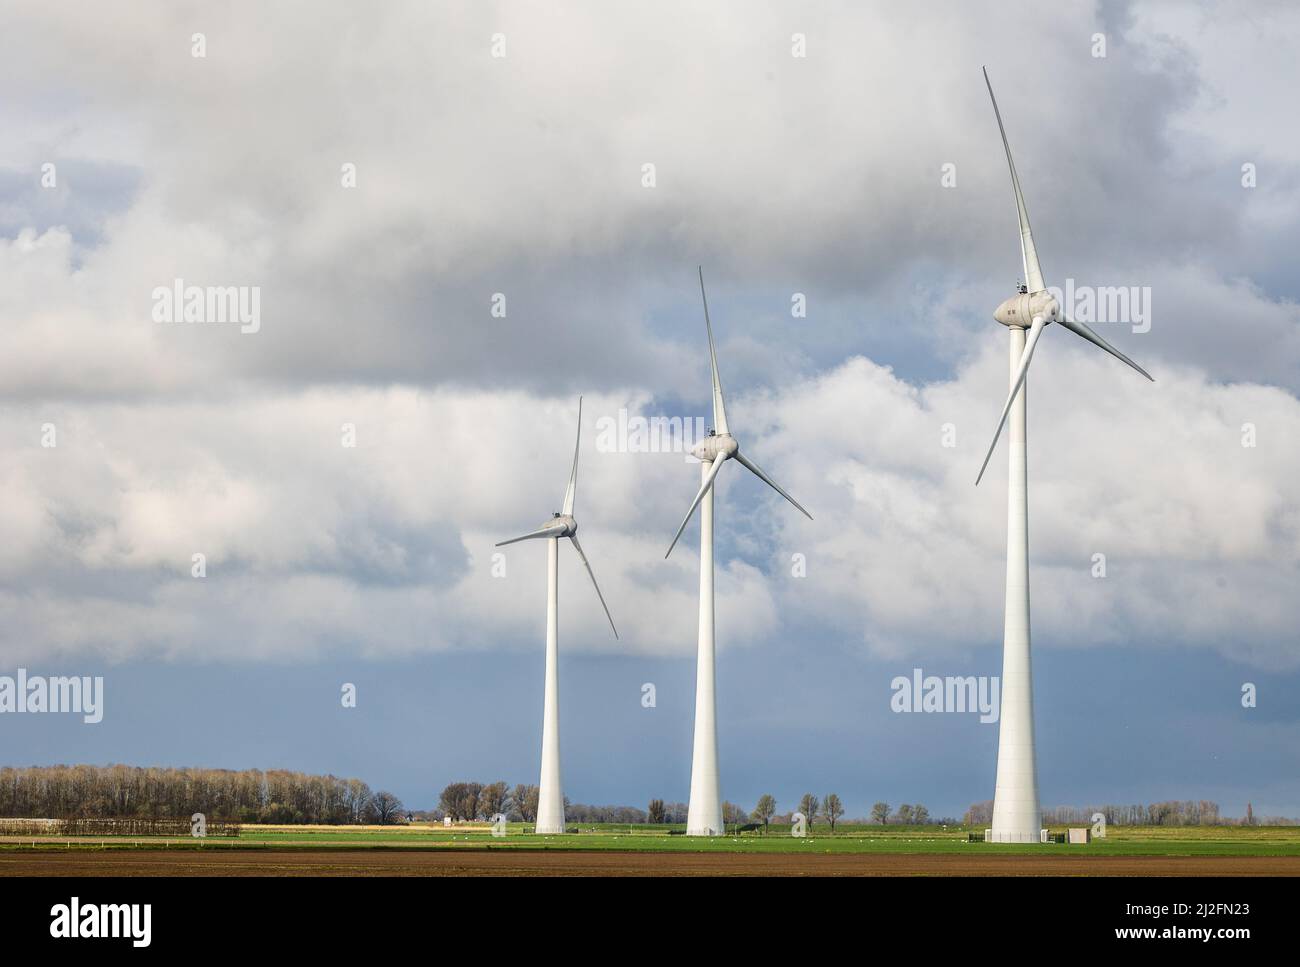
x,y
1120,841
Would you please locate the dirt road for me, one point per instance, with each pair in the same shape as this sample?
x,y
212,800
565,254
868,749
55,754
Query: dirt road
x,y
304,862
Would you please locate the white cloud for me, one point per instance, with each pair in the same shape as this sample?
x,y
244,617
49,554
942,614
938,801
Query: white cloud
x,y
386,548
1201,534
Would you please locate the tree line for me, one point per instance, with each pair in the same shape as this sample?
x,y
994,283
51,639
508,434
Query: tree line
x,y
222,795
480,802
1173,812
470,801
285,796
831,809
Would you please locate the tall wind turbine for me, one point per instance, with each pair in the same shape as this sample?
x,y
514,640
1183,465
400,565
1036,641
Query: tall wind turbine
x,y
704,816
1016,816
550,797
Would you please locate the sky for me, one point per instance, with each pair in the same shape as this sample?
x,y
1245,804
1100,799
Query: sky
x,y
446,214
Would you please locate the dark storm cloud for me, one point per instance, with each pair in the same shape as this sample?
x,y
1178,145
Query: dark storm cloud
x,y
522,176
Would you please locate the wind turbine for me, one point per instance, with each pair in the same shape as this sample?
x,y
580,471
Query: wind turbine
x,y
550,797
704,816
1016,816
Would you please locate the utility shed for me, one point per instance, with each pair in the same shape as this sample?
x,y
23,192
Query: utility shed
x,y
1082,835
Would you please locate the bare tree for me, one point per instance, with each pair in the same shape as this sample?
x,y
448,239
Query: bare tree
x,y
765,810
808,806
384,806
523,800
832,809
449,799
492,799
656,811
904,815
460,800
469,801
920,815
880,813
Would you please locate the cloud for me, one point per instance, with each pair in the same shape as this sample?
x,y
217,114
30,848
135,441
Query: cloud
x,y
1201,534
522,175
312,546
386,547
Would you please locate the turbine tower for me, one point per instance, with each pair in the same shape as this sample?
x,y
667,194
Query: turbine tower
x,y
550,796
704,816
1016,815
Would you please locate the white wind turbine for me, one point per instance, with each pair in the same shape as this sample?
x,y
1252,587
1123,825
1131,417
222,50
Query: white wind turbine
x,y
704,816
550,797
1016,816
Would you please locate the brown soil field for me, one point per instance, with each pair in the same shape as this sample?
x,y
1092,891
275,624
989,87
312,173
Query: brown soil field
x,y
301,862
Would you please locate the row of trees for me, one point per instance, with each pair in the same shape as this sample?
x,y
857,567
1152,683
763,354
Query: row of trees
x,y
1187,812
247,796
479,802
905,815
676,813
468,801
284,796
831,809
476,801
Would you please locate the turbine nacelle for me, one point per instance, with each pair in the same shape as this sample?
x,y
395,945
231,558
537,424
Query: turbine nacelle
x,y
561,525
715,445
1020,310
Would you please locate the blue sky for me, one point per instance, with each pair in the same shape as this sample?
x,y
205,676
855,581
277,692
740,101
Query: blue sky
x,y
795,718
523,175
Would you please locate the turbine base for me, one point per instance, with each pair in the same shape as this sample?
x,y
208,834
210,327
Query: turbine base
x,y
704,831
1012,836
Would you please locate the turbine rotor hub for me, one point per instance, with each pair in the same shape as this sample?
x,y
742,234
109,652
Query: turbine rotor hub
x,y
1019,311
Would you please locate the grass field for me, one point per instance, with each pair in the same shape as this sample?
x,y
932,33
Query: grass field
x,y
421,850
1120,841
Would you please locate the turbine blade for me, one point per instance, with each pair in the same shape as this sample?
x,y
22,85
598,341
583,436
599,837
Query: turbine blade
x,y
572,491
753,468
547,531
719,407
583,557
1035,329
1079,329
704,489
1033,272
